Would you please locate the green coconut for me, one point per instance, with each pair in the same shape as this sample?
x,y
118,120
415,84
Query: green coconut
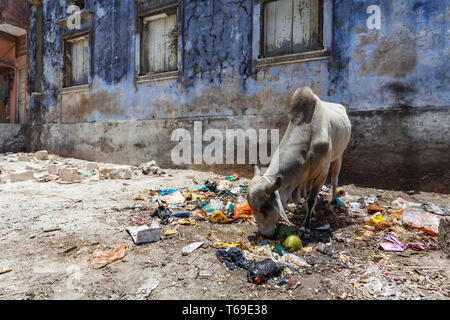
x,y
293,243
282,232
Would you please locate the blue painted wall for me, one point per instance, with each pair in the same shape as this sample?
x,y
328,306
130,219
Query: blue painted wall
x,y
404,64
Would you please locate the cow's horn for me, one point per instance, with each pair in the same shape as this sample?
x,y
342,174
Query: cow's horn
x,y
279,207
256,170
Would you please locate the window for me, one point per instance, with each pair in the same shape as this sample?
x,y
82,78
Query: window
x,y
76,61
159,42
292,26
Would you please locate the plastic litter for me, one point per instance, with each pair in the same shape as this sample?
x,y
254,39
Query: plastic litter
x,y
190,248
233,258
212,186
213,206
278,248
373,208
162,213
144,234
340,192
140,198
418,218
163,192
181,214
173,198
295,260
324,227
370,200
373,220
394,245
223,244
146,289
219,217
102,258
2,271
430,207
242,211
263,271
233,177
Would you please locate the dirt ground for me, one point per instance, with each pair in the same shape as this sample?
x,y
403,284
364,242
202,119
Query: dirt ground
x,y
49,231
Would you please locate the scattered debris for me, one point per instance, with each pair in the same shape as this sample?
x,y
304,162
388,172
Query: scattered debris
x,y
2,271
263,271
418,218
190,248
102,258
146,289
394,245
144,234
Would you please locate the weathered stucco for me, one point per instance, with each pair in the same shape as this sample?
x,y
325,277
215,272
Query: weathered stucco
x,y
12,137
401,66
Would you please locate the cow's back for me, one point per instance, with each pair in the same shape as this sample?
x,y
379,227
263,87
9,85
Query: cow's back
x,y
339,127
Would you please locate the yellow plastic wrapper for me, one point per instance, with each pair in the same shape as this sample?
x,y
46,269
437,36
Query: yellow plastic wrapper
x,y
340,192
307,249
193,196
223,244
170,232
219,217
5,271
373,220
186,222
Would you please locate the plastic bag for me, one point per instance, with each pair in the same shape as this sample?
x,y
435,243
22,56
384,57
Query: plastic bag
x,y
102,258
242,211
418,218
263,271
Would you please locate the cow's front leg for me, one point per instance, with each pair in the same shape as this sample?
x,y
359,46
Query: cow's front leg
x,y
335,169
305,229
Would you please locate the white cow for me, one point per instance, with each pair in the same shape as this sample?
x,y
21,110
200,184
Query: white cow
x,y
315,140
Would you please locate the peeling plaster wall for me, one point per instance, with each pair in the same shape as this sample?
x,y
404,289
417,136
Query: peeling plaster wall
x,y
400,68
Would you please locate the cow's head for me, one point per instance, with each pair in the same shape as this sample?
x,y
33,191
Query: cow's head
x,y
265,201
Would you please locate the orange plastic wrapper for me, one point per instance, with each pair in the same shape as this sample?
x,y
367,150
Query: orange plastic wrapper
x,y
396,214
373,208
140,198
383,225
242,211
102,258
219,217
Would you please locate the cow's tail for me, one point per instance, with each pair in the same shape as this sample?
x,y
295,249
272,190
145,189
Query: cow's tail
x,y
303,102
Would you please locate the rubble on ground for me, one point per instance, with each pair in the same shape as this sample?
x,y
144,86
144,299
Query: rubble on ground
x,y
372,244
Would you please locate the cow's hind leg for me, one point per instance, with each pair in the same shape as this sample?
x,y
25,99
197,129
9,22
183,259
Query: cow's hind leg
x,y
305,229
335,169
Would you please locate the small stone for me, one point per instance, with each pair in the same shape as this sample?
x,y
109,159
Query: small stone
x,y
91,166
21,176
41,155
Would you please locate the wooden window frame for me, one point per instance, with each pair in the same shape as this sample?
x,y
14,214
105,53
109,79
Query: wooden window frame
x,y
279,59
169,7
67,81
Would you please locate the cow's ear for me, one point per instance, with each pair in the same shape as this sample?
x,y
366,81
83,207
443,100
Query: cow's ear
x,y
274,186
